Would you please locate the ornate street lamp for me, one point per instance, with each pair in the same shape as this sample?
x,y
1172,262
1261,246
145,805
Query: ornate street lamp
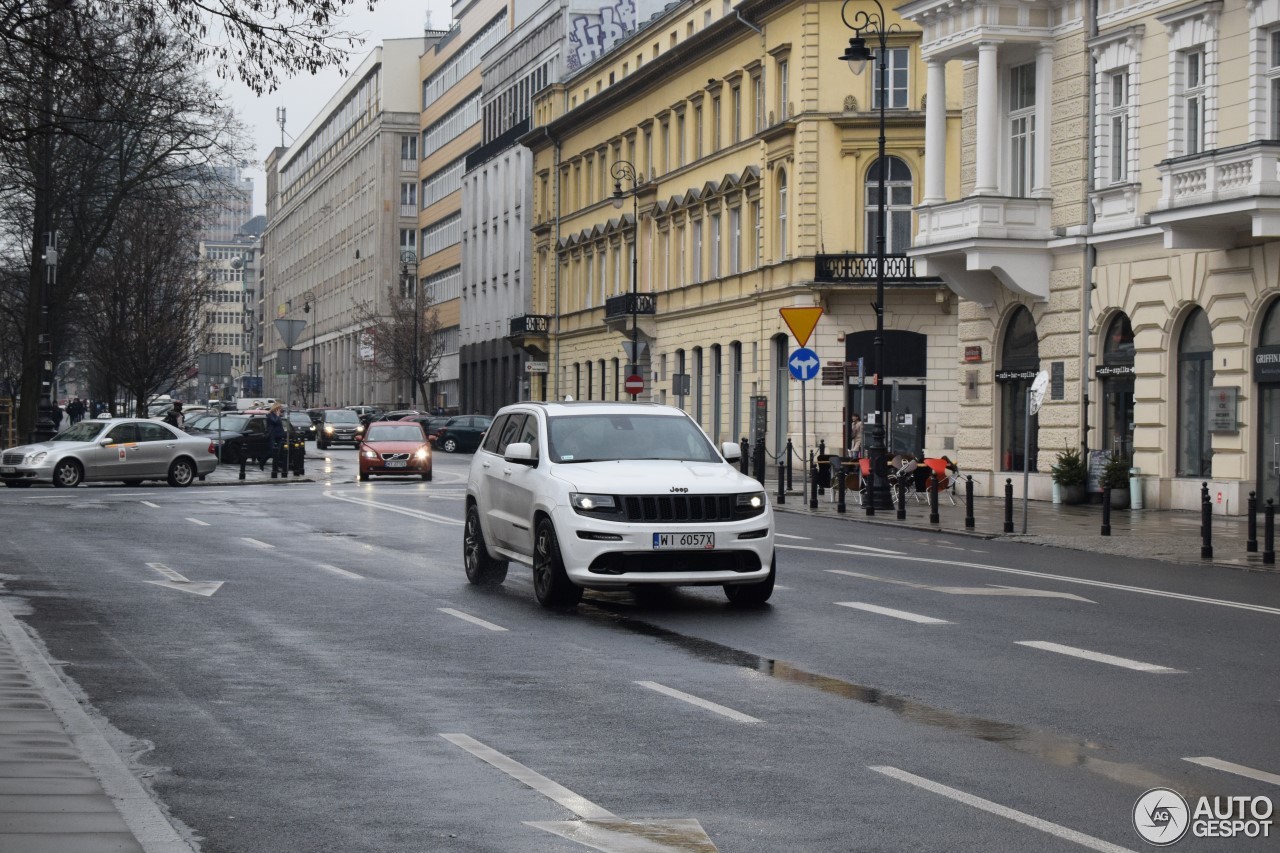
x,y
409,273
873,25
625,170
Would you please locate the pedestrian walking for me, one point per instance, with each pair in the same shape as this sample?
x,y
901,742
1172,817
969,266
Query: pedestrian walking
x,y
275,440
174,417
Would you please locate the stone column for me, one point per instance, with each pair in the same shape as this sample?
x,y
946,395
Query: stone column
x,y
987,178
935,133
1043,143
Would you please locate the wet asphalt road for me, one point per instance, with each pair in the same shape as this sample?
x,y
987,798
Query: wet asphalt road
x,y
896,695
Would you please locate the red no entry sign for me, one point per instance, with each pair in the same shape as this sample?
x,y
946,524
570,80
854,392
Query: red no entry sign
x,y
634,384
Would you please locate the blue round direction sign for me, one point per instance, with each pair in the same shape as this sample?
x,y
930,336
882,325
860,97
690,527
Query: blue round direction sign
x,y
803,364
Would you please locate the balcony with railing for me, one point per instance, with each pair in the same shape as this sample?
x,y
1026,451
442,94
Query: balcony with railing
x,y
854,268
984,242
530,332
1216,199
618,311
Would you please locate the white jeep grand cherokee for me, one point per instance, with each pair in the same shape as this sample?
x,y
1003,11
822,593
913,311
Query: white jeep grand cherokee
x,y
603,495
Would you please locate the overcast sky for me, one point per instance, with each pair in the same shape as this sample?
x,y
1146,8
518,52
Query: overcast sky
x,y
303,97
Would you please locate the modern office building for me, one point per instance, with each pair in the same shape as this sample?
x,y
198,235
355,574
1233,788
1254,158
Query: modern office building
x,y
231,317
1116,228
754,151
337,220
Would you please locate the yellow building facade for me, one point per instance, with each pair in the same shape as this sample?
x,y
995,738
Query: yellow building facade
x,y
754,154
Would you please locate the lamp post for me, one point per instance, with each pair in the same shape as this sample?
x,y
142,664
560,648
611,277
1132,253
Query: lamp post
x,y
873,25
408,272
313,376
625,170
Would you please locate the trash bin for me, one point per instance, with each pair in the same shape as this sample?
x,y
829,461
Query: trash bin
x,y
1135,488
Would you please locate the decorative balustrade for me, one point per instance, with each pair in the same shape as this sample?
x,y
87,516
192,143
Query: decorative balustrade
x,y
1220,175
531,324
627,304
853,268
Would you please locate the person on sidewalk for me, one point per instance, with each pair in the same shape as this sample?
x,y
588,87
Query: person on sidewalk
x,y
855,436
275,441
173,417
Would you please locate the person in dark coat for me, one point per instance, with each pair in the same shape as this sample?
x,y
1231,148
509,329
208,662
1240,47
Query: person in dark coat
x,y
275,440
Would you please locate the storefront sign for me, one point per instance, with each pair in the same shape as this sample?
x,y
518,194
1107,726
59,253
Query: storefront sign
x,y
972,354
1222,410
1012,375
1266,364
1114,370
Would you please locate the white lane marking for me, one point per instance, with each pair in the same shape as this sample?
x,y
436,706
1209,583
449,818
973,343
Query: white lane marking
x,y
198,521
338,571
789,536
896,614
701,703
1239,605
150,504
554,791
1237,769
256,542
990,589
1002,811
780,586
1072,651
866,548
466,617
415,513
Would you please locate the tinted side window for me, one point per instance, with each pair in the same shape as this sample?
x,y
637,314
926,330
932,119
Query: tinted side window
x,y
153,432
529,433
256,426
510,431
491,440
123,433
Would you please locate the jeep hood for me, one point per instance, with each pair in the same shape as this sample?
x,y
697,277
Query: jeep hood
x,y
654,477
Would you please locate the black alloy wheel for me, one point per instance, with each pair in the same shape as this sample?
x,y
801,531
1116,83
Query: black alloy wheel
x,y
482,569
752,594
550,582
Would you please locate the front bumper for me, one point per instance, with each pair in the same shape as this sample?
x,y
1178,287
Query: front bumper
x,y
42,473
336,437
415,467
603,553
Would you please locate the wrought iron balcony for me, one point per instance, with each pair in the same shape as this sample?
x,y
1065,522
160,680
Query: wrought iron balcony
x,y
617,307
530,325
852,268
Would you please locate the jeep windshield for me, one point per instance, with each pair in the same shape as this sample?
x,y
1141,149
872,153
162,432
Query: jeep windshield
x,y
617,437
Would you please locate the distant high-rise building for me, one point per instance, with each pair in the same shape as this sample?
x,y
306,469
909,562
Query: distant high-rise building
x,y
233,203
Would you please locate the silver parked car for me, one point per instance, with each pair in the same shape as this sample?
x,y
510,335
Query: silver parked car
x,y
125,449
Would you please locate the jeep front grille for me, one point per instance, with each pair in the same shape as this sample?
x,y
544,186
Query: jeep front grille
x,y
678,507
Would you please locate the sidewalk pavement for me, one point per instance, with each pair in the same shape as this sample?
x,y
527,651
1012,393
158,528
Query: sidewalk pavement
x,y
64,788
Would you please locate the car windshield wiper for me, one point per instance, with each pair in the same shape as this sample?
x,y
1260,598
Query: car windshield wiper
x,y
575,461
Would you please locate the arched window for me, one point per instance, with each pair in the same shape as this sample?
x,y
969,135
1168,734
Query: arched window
x,y
1117,374
1019,362
1195,375
898,195
782,215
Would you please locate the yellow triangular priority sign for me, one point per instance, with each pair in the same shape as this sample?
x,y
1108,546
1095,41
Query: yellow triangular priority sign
x,y
801,322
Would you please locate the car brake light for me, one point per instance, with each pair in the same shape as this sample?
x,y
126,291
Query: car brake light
x,y
213,448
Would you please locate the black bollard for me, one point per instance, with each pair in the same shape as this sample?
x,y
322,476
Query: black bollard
x,y
1008,505
1206,526
1106,510
744,461
242,461
1251,544
782,479
822,447
969,523
934,518
840,486
901,488
868,487
757,461
813,482
790,452
1269,534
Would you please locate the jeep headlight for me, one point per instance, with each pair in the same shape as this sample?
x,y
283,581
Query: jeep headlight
x,y
328,427
589,504
748,504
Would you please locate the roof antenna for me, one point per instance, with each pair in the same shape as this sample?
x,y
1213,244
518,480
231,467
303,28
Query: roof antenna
x,y
280,121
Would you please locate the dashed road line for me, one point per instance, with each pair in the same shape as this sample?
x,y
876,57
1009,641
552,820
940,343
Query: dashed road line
x,y
701,703
414,513
868,548
256,542
896,614
554,791
1237,769
789,536
1099,657
198,521
467,617
337,571
1002,811
150,504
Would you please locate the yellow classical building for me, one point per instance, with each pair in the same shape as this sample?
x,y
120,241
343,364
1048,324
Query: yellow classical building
x,y
739,153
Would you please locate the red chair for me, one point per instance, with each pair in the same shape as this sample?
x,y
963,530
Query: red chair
x,y
944,472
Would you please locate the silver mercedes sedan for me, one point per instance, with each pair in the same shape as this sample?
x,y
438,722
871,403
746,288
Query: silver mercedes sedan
x,y
122,449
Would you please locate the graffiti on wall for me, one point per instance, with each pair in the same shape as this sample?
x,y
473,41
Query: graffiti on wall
x,y
593,32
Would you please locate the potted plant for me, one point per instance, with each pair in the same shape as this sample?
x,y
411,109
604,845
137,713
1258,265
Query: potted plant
x,y
1069,474
1115,475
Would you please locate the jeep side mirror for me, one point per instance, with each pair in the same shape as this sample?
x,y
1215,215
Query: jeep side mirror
x,y
731,450
520,452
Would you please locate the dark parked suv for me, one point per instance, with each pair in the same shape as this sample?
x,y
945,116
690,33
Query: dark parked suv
x,y
339,426
463,432
240,435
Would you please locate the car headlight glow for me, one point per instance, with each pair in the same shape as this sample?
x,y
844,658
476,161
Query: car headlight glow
x,y
422,453
589,503
328,427
370,454
748,504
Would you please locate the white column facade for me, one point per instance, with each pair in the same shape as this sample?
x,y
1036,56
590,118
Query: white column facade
x,y
1044,116
935,133
987,174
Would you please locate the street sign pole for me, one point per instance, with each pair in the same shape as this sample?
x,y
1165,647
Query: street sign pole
x,y
804,442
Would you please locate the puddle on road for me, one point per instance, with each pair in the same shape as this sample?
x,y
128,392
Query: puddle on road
x,y
1054,749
